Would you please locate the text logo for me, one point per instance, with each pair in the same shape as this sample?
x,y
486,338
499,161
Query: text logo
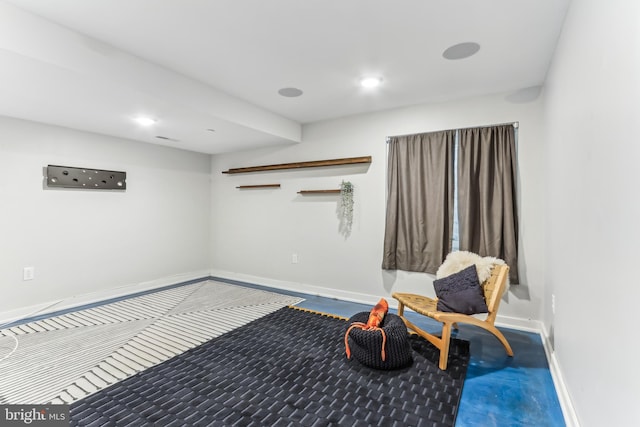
x,y
34,415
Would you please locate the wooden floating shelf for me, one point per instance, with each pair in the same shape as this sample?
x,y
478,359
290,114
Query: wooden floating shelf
x,y
303,192
259,186
300,165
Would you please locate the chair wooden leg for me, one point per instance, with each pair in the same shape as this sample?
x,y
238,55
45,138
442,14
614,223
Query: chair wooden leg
x,y
502,339
400,309
442,342
444,347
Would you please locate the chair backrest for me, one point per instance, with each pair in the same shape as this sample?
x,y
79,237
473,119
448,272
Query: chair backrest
x,y
493,288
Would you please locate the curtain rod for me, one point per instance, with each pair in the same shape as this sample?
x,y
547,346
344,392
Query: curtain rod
x,y
514,124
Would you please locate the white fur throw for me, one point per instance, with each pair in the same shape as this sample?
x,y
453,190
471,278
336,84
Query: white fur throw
x,y
459,260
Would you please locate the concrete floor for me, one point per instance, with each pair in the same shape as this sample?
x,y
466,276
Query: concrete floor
x,y
499,390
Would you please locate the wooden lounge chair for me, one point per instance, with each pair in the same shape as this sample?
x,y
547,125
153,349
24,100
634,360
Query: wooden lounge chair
x,y
493,289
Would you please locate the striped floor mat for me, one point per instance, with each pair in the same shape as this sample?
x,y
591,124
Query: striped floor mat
x,y
62,359
287,369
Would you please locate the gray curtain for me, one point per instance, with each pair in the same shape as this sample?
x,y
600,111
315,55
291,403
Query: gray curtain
x,y
420,189
488,217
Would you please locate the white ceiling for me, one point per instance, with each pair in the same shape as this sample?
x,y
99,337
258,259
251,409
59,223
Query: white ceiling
x,y
218,64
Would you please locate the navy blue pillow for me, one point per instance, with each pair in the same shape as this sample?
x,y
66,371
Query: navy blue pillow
x,y
461,292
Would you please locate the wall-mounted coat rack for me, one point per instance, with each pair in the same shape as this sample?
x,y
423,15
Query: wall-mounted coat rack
x,y
300,165
85,178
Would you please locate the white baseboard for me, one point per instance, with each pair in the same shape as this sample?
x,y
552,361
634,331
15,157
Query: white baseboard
x,y
369,299
519,323
78,301
298,287
569,412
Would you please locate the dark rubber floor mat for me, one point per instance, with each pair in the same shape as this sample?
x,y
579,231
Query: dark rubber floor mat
x,y
285,369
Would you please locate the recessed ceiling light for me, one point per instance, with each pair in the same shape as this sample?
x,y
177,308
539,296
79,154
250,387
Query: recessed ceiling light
x,y
370,81
290,92
145,121
461,50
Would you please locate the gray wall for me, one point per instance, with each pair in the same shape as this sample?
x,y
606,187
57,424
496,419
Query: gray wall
x,y
255,232
592,105
87,245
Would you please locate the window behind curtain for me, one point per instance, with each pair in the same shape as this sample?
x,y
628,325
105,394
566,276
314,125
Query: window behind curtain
x,y
426,200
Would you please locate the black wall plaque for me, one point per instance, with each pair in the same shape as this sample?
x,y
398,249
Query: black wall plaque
x,y
85,178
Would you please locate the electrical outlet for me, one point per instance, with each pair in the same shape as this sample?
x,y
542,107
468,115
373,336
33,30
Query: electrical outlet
x,y
553,303
294,258
28,273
